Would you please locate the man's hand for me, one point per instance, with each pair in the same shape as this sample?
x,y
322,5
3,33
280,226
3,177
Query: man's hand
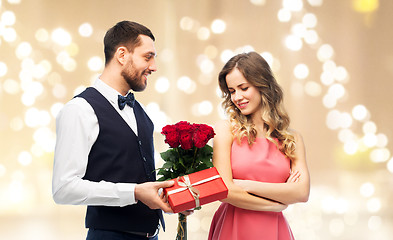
x,y
148,194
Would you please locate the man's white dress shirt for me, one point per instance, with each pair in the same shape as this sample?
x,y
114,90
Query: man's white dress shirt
x,y
77,129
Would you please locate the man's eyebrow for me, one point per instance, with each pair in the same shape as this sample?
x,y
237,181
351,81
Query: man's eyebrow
x,y
151,54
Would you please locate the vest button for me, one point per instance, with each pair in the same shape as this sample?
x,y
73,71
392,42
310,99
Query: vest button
x,y
144,159
140,143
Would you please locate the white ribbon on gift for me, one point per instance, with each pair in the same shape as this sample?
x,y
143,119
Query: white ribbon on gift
x,y
185,184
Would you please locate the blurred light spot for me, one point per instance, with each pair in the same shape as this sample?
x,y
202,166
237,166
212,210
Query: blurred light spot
x,y
54,78
367,189
203,33
389,165
380,155
59,91
309,20
293,43
25,158
369,127
14,1
365,6
3,69
301,71
341,74
218,26
337,91
333,119
16,124
329,66
226,55
325,52
186,23
166,55
61,37
34,117
268,57
8,18
37,150
370,140
359,112
373,205
72,49
11,86
159,117
336,227
329,101
346,135
85,30
382,140
95,64
327,78
55,109
9,34
211,52
69,65
299,30
313,89
162,85
315,3
374,223
206,66
311,37
351,147
205,108
258,2
45,138
42,35
27,99
284,15
293,5
245,49
185,84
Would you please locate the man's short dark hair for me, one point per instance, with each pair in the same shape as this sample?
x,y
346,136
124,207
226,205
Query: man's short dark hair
x,y
124,33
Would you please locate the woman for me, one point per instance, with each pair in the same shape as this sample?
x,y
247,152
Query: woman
x,y
260,159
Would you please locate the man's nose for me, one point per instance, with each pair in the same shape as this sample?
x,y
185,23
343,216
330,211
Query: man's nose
x,y
153,66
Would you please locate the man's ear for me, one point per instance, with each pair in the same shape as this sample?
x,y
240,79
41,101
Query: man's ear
x,y
121,55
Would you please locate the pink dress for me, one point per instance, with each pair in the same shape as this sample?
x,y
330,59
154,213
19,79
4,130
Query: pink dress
x,y
260,162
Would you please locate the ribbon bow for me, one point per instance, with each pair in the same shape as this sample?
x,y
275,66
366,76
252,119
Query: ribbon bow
x,y
129,100
186,184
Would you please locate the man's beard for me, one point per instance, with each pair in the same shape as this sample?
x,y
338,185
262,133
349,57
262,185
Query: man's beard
x,y
133,78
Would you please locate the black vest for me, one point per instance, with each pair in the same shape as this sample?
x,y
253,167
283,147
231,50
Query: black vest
x,y
118,155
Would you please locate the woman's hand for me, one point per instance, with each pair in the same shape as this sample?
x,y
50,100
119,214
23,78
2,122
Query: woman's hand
x,y
293,177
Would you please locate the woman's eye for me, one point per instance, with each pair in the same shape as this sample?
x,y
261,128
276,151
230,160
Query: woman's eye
x,y
245,89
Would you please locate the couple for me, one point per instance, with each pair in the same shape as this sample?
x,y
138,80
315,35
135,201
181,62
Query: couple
x,y
104,155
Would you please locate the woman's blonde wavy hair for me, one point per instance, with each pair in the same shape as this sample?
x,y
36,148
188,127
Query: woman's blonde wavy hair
x,y
276,120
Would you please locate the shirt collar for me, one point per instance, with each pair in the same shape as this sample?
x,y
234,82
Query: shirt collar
x,y
107,91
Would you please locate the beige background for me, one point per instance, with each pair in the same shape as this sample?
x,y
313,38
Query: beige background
x,y
351,186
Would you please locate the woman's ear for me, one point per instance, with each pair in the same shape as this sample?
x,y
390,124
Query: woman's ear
x,y
121,55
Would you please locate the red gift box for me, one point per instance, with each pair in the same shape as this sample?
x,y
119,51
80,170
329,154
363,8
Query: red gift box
x,y
196,189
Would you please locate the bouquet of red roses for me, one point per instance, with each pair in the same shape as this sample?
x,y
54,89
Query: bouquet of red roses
x,y
188,153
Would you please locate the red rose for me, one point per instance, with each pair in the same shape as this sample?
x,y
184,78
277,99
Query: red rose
x,y
202,134
186,131
172,136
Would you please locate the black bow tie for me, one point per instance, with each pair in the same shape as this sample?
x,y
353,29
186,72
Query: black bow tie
x,y
129,100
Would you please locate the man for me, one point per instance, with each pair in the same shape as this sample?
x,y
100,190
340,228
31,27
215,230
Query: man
x,y
104,155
